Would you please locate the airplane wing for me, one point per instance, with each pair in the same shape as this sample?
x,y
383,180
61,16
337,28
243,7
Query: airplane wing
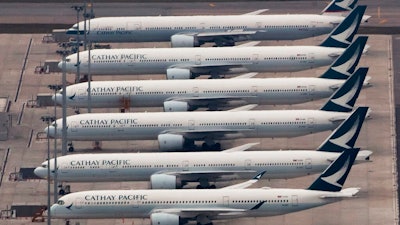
x,y
244,108
201,134
245,76
246,183
193,176
257,12
203,100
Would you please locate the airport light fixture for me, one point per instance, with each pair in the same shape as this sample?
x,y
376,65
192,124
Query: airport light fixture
x,y
48,119
78,9
55,87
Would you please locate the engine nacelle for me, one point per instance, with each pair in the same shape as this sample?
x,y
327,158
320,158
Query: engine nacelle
x,y
170,142
164,181
183,40
175,106
164,219
178,74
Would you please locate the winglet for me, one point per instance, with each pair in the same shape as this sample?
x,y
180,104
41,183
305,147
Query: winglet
x,y
333,178
241,147
345,97
345,136
343,34
257,12
347,62
243,108
339,6
246,183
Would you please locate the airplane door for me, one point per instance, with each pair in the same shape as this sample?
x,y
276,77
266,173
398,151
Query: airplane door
x,y
308,163
133,25
259,25
255,58
310,122
195,92
79,203
252,124
191,124
295,200
247,164
81,93
185,165
74,126
311,90
254,90
311,58
198,59
225,200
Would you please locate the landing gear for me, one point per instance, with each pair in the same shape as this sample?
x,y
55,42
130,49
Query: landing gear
x,y
211,147
64,189
70,147
205,184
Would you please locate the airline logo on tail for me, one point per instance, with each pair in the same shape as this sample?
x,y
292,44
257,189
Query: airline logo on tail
x,y
346,63
333,178
344,98
340,6
345,136
336,177
343,34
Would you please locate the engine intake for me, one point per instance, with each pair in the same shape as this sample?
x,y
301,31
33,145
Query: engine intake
x,y
184,40
175,106
164,219
164,181
170,142
178,74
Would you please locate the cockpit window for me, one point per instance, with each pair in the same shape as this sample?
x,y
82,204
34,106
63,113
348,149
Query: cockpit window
x,y
44,165
67,60
60,202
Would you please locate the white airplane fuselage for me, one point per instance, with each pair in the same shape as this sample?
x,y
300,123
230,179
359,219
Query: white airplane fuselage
x,y
217,125
201,92
143,203
185,63
161,28
190,167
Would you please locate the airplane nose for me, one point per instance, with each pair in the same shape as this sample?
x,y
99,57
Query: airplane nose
x,y
57,98
40,172
50,131
60,65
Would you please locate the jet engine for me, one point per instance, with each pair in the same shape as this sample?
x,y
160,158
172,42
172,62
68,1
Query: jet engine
x,y
175,106
164,219
178,74
183,40
170,142
164,181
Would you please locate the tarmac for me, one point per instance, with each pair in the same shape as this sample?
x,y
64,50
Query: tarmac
x,y
377,202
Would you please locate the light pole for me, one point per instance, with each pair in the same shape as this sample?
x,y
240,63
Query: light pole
x,y
78,74
48,119
55,87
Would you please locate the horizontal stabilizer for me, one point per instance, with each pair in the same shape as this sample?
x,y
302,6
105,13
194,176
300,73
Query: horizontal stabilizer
x,y
345,193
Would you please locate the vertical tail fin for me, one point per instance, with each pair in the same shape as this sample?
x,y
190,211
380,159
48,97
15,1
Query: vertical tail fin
x,y
346,63
343,34
339,6
333,178
345,136
345,97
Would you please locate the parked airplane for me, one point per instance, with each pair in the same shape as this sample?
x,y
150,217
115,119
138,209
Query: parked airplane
x,y
175,207
216,94
185,63
179,130
223,30
175,170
